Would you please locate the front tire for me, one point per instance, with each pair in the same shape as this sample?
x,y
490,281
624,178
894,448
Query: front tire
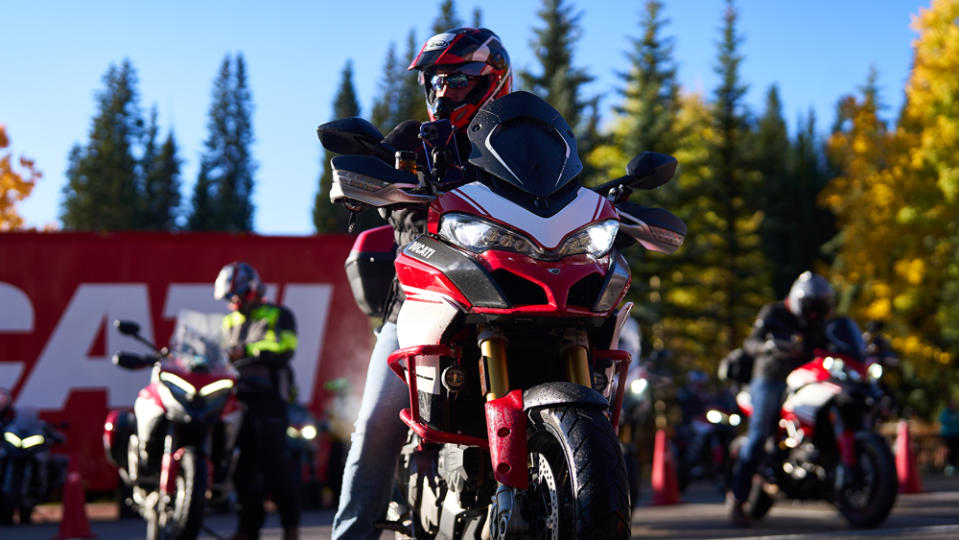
x,y
578,482
868,499
182,518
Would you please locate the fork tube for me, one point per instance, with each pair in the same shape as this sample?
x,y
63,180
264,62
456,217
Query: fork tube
x,y
575,356
493,357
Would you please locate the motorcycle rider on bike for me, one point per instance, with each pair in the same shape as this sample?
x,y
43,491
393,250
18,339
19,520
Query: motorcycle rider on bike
x,y
460,70
261,339
783,337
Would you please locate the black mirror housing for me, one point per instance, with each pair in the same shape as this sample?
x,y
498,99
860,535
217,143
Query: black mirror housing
x,y
131,361
354,136
127,328
650,170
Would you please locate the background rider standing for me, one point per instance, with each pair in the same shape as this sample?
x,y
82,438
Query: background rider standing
x,y
261,339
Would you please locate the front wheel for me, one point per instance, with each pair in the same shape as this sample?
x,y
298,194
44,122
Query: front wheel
x,y
866,498
181,517
578,482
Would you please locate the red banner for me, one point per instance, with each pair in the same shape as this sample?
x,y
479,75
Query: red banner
x,y
60,292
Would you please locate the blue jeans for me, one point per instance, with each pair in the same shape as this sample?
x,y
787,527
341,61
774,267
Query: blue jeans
x,y
376,442
766,396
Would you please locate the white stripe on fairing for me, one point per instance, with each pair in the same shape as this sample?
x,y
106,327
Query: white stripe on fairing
x,y
497,156
463,197
547,232
414,293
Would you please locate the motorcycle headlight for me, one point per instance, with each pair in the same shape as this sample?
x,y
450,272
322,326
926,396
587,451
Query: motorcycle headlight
x,y
479,235
32,440
735,419
174,382
714,416
216,387
875,371
638,386
308,432
12,438
596,240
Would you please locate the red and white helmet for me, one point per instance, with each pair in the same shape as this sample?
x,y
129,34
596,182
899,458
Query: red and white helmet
x,y
475,52
238,283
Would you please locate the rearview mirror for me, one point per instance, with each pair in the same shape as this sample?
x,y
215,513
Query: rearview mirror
x,y
354,136
131,361
653,228
650,170
127,328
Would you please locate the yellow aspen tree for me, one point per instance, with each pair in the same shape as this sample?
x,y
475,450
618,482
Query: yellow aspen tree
x,y
16,183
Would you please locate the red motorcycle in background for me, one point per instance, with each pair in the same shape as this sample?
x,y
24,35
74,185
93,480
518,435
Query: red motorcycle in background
x,y
826,446
511,311
181,432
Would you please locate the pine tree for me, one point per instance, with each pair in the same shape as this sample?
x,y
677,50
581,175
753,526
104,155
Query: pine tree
x,y
738,276
222,198
647,120
328,218
559,83
477,17
410,101
384,115
651,94
103,190
160,168
447,18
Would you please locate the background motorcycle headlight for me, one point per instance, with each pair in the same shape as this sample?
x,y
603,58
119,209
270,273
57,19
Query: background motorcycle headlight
x,y
596,239
480,235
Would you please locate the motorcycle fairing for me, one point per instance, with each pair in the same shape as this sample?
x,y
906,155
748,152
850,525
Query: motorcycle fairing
x,y
549,232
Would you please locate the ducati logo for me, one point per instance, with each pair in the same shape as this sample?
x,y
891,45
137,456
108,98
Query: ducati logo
x,y
422,250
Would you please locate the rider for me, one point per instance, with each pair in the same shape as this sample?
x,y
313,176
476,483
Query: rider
x,y
261,339
783,337
460,71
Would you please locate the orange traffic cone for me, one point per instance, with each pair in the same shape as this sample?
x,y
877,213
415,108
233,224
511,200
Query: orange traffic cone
x,y
906,468
74,523
664,482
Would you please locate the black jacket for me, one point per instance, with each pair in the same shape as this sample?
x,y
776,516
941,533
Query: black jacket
x,y
776,322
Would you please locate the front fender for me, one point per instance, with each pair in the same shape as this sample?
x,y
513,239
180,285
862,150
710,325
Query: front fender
x,y
506,424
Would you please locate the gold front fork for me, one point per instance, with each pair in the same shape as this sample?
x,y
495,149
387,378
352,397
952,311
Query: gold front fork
x,y
493,363
575,355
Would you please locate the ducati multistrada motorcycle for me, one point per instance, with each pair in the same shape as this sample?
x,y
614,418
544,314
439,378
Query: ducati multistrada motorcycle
x,y
511,307
178,443
826,446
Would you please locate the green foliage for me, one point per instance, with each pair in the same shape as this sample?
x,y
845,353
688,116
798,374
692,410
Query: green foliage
x,y
222,197
326,217
446,19
108,186
558,81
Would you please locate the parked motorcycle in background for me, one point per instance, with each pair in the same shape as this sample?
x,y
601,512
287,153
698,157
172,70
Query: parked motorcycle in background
x,y
30,473
182,430
826,446
301,443
511,315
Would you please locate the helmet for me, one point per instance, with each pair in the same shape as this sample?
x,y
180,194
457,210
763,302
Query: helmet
x,y
239,284
810,298
475,52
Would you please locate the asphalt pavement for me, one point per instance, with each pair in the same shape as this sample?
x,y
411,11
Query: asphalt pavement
x,y
932,514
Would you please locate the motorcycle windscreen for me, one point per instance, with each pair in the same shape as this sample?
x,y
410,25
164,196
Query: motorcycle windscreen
x,y
522,140
846,338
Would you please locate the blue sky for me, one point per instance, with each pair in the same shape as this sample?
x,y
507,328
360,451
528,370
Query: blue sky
x,y
55,53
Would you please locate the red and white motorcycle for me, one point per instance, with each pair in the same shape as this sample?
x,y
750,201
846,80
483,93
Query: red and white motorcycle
x,y
512,303
178,443
826,446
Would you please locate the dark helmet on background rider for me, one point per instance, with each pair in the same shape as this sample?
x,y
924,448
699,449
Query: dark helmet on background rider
x,y
811,298
239,284
463,54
